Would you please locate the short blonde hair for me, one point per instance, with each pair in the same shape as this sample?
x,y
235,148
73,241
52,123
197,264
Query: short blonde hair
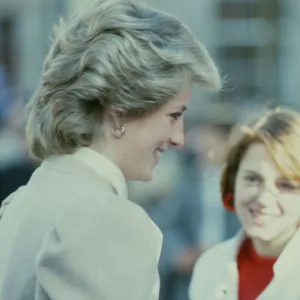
x,y
121,55
279,131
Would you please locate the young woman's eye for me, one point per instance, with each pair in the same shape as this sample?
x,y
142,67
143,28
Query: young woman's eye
x,y
252,179
176,116
286,186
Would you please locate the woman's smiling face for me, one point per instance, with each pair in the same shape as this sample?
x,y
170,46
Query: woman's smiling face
x,y
267,203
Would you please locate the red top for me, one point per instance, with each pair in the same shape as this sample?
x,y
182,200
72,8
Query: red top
x,y
255,271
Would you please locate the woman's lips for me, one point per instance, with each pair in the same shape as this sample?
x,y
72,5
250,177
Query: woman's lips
x,y
260,218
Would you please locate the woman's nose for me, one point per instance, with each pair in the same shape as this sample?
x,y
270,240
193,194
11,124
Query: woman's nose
x,y
177,138
266,195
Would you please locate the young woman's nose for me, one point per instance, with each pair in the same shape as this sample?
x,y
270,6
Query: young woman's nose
x,y
266,195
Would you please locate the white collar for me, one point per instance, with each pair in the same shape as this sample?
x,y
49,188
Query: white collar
x,y
289,256
104,167
287,259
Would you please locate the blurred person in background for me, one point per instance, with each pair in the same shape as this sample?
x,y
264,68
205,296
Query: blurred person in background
x,y
4,89
172,201
16,165
210,143
260,182
113,91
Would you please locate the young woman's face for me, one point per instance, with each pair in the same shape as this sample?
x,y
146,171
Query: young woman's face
x,y
267,204
146,138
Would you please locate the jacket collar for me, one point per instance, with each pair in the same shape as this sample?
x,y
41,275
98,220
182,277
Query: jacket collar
x,y
104,167
289,257
87,159
286,259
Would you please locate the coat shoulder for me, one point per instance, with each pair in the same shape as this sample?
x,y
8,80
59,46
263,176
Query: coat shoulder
x,y
109,214
221,252
211,267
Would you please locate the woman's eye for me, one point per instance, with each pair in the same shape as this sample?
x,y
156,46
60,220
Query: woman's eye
x,y
252,179
286,186
176,116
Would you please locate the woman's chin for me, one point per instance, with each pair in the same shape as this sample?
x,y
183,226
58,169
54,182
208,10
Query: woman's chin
x,y
263,235
144,176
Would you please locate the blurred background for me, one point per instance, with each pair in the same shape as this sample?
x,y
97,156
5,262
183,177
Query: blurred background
x,y
256,46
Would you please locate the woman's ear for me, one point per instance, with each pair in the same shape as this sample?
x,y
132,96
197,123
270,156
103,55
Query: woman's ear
x,y
113,118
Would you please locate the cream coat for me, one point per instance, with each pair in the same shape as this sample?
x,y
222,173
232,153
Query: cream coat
x,y
216,275
71,234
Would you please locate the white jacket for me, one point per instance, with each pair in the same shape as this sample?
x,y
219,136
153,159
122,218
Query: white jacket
x,y
71,234
216,274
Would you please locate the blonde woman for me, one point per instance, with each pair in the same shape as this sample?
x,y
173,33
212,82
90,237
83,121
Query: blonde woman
x,y
261,184
113,92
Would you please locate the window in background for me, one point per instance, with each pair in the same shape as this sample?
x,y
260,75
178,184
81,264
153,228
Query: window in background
x,y
247,50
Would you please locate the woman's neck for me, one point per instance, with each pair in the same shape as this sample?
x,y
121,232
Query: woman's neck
x,y
275,247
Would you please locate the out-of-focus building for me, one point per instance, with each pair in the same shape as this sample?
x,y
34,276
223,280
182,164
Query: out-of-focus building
x,y
254,42
255,45
248,49
288,52
24,38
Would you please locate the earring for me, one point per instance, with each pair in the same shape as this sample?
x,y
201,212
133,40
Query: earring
x,y
228,202
118,132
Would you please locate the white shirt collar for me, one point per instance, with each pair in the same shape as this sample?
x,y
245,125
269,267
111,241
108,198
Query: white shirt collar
x,y
104,167
289,257
286,259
